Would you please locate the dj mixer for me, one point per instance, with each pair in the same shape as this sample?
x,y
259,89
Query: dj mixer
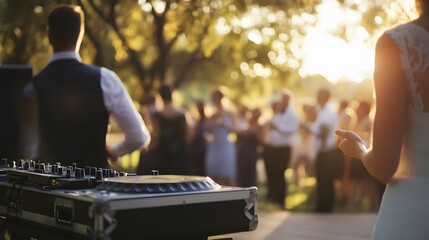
x,y
95,203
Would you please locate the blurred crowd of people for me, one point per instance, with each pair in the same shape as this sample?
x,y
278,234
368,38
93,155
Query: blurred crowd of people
x,y
225,144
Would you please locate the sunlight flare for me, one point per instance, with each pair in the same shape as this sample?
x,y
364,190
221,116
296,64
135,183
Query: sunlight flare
x,y
335,54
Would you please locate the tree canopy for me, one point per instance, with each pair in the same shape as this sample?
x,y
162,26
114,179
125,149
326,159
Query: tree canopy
x,y
251,47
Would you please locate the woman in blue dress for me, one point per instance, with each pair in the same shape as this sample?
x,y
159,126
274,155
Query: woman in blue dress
x,y
220,160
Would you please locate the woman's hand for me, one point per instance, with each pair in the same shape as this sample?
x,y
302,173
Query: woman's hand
x,y
351,144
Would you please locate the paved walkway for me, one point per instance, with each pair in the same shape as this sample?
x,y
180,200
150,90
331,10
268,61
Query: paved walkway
x,y
308,226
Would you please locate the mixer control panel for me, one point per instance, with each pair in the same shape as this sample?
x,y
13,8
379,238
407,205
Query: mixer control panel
x,y
55,175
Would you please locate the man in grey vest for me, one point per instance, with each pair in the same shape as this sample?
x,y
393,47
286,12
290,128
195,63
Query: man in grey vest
x,y
69,103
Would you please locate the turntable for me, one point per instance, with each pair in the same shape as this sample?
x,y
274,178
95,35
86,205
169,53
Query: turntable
x,y
132,207
158,184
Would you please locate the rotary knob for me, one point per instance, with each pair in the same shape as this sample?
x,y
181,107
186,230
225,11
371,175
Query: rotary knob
x,y
60,171
99,175
79,173
93,172
69,172
54,169
21,164
32,165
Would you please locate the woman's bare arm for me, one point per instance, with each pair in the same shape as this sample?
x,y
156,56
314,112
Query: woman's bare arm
x,y
390,117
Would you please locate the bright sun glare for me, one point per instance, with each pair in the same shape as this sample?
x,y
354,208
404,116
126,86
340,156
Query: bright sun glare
x,y
336,59
333,57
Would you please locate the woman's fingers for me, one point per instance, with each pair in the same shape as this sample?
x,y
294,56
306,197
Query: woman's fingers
x,y
349,135
352,144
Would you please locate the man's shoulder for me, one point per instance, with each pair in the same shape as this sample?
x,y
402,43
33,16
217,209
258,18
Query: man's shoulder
x,y
106,72
90,67
52,66
55,69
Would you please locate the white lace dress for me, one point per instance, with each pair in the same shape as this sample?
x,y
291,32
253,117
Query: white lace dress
x,y
404,213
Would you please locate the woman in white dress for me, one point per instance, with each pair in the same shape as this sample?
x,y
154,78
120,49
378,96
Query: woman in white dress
x,y
400,147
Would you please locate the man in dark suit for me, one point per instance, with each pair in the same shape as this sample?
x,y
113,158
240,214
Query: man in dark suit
x,y
69,103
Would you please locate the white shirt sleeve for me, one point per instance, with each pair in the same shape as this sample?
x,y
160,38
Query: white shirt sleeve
x,y
120,106
29,139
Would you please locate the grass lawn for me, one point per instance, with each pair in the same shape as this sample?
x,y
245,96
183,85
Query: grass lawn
x,y
302,198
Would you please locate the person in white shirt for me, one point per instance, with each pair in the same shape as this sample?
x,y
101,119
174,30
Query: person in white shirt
x,y
346,115
67,106
329,162
277,153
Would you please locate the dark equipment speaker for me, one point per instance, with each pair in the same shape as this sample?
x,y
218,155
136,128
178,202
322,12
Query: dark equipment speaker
x,y
13,79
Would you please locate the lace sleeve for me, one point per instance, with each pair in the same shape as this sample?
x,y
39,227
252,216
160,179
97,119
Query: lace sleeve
x,y
412,41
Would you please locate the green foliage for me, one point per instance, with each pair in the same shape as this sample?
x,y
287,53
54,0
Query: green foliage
x,y
20,29
251,47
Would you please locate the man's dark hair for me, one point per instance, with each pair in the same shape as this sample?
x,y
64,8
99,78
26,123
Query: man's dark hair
x,y
65,23
166,92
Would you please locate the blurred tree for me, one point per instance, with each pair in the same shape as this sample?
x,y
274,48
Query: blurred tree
x,y
22,31
166,41
250,46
